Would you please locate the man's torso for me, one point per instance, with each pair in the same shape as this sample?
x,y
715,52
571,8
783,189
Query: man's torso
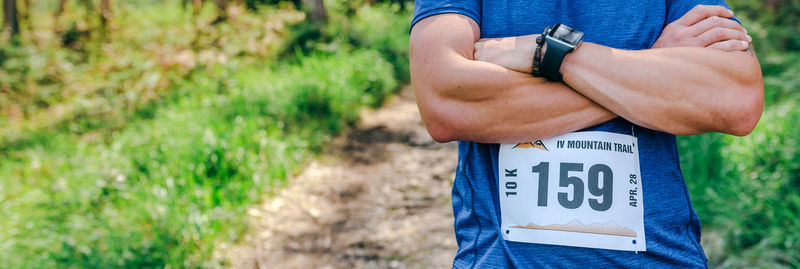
x,y
672,227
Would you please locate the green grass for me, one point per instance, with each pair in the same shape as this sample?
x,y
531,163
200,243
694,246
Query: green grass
x,y
167,180
163,191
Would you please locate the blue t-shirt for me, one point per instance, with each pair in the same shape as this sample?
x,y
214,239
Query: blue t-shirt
x,y
671,224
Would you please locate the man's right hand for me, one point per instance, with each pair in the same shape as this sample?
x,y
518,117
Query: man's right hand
x,y
705,26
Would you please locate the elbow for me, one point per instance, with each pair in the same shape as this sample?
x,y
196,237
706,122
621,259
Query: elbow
x,y
747,119
440,126
440,133
748,109
433,110
745,126
749,102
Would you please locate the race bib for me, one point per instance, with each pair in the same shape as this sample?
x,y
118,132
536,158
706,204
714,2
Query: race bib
x,y
580,189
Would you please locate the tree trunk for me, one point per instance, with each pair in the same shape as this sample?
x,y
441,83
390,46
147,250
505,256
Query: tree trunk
x,y
196,6
10,16
315,10
222,10
106,17
62,5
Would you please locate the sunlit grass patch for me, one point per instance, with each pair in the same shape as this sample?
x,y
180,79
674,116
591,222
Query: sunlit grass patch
x,y
166,190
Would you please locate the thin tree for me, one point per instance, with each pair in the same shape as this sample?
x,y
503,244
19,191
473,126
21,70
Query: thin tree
x,y
106,17
62,5
222,10
315,11
10,16
196,6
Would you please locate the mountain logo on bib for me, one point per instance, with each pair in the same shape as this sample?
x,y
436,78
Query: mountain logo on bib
x,y
609,228
538,144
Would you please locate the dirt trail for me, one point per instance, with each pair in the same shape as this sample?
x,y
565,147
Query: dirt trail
x,y
379,199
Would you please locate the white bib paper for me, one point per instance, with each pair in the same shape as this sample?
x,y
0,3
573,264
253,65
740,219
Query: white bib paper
x,y
579,189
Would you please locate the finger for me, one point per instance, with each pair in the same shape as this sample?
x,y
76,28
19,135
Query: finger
x,y
712,22
700,12
730,45
719,34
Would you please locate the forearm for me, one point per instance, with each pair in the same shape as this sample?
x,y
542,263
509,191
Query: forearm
x,y
482,102
463,99
681,90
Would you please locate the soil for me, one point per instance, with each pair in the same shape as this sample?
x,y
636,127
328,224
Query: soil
x,y
380,198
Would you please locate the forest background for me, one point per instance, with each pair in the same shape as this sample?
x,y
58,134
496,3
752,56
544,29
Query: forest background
x,y
136,133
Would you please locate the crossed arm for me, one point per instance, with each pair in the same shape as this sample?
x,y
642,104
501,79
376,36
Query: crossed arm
x,y
464,94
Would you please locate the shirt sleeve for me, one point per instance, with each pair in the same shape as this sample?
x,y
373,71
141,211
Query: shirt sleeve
x,y
427,8
677,8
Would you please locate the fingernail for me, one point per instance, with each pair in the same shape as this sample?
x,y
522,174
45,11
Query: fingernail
x,y
745,44
749,39
745,30
730,12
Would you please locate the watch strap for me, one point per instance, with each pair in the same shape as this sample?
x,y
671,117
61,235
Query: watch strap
x,y
553,57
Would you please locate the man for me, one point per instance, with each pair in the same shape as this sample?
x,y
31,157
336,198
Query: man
x,y
577,165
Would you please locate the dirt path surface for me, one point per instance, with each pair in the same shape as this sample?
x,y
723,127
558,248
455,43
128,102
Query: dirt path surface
x,y
379,199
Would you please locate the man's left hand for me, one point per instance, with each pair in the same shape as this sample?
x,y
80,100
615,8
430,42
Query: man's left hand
x,y
705,26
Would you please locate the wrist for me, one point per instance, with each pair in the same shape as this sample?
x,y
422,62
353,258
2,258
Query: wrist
x,y
524,56
561,40
514,53
530,54
577,63
570,61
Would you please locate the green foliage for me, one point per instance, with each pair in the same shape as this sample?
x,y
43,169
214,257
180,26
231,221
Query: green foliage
x,y
101,84
366,27
747,189
776,23
154,154
165,190
368,32
256,4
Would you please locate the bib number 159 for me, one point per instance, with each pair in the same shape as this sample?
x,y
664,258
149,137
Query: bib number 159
x,y
599,182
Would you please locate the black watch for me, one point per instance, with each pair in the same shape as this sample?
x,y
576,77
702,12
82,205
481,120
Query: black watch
x,y
561,39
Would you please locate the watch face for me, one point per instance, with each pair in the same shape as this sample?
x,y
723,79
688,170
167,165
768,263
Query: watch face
x,y
567,34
